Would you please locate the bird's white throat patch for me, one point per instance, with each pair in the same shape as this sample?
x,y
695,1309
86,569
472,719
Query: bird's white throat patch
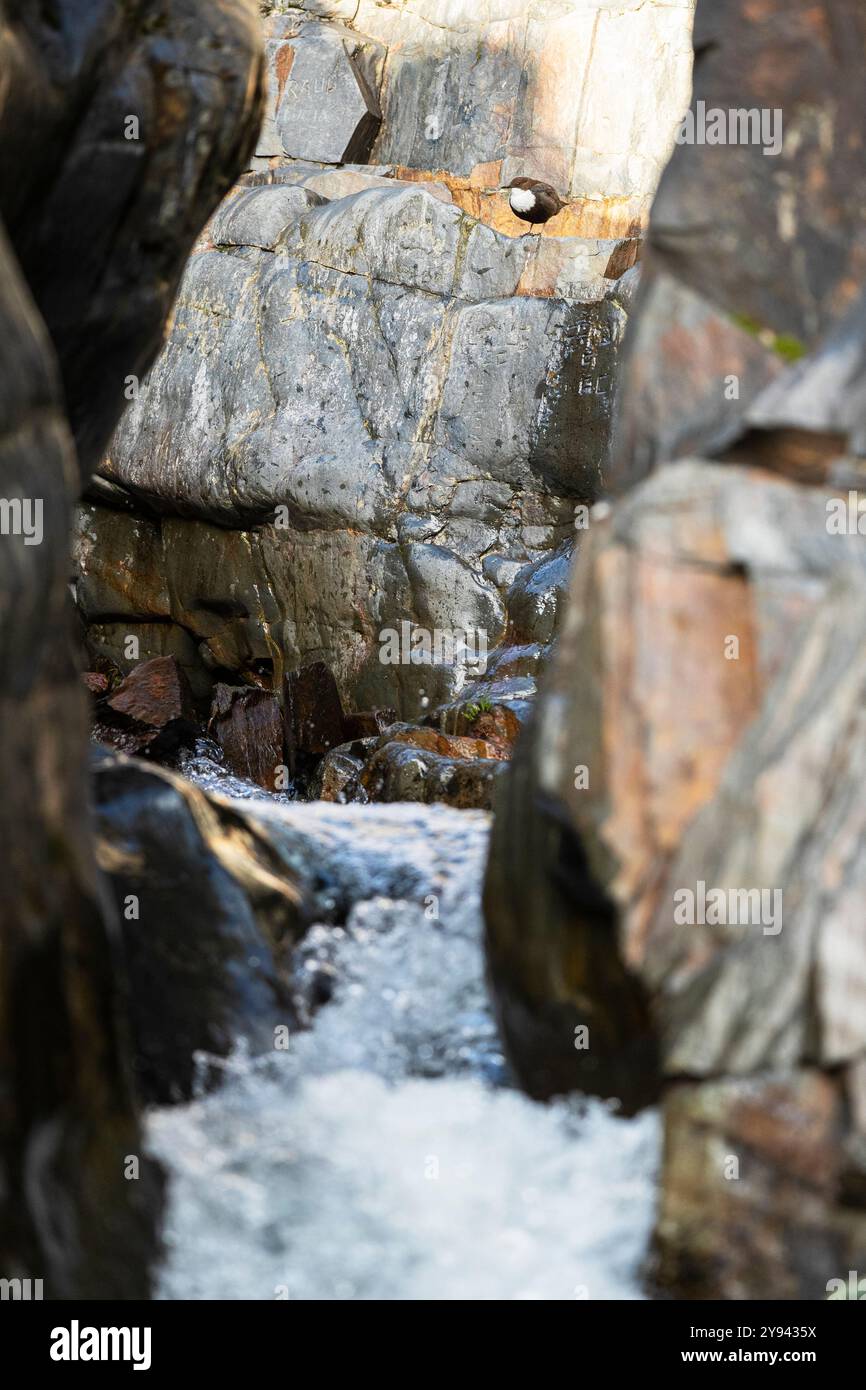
x,y
522,199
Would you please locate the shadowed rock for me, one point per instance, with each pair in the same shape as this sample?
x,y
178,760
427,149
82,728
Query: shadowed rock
x,y
123,126
208,925
150,710
67,1123
313,714
101,219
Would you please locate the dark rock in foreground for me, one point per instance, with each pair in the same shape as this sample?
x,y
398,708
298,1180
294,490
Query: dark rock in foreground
x,y
115,151
208,925
67,1121
102,224
674,892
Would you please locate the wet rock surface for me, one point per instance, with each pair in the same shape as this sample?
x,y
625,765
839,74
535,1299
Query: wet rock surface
x,y
247,723
207,924
150,710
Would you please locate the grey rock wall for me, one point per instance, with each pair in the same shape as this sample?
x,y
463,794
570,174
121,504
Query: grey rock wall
x,y
368,408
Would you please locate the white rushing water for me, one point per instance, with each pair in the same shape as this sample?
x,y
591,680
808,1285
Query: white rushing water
x,y
385,1156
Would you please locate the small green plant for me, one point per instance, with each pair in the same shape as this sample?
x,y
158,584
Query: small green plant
x,y
477,708
787,347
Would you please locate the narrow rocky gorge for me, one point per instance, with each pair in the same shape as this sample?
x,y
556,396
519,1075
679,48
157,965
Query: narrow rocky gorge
x,y
458,605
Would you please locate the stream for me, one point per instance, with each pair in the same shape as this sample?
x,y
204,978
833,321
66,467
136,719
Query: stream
x,y
386,1154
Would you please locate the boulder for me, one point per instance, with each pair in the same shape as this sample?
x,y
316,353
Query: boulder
x,y
410,763
749,315
154,693
178,106
337,777
709,752
247,723
686,598
314,716
67,1215
150,710
404,771
117,137
674,863
208,925
431,303
751,1183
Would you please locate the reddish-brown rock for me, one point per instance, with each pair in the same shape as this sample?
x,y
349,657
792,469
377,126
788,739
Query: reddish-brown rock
x,y
750,1189
685,602
247,723
313,714
368,723
154,693
151,711
95,682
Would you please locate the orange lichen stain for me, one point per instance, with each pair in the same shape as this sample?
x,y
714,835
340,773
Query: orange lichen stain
x,y
605,218
285,57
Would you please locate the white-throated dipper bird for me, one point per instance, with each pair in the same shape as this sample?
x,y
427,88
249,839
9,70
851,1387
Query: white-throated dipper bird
x,y
533,201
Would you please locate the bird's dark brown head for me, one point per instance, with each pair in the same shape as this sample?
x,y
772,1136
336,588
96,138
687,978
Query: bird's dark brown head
x,y
521,182
536,186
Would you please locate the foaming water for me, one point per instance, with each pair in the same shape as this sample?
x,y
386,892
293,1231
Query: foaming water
x,y
205,765
385,1155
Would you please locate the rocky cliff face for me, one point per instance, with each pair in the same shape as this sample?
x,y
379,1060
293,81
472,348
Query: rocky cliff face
x,y
481,91
376,426
676,856
373,408
101,224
